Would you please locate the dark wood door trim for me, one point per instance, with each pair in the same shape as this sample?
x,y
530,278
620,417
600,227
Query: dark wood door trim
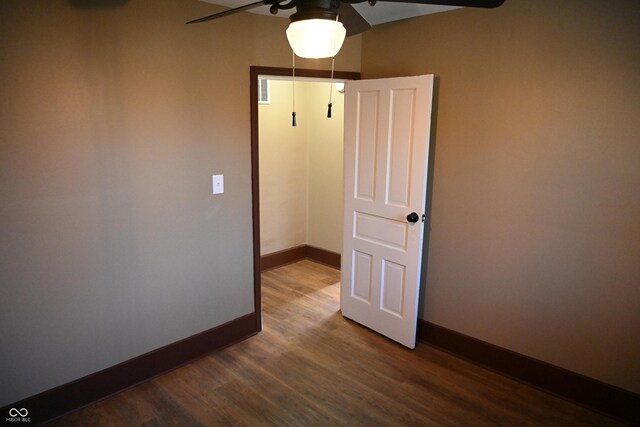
x,y
256,71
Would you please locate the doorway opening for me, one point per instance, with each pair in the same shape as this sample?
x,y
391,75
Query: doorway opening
x,y
279,77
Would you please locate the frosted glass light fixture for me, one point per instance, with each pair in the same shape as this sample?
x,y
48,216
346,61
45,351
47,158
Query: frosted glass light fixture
x,y
316,38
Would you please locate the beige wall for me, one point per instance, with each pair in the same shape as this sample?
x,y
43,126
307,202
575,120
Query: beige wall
x,y
301,168
325,169
283,170
535,241
112,121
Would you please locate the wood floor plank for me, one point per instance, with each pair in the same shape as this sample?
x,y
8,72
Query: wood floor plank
x,y
294,408
312,367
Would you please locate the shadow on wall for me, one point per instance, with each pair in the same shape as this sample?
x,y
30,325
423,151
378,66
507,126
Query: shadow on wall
x,y
96,4
428,204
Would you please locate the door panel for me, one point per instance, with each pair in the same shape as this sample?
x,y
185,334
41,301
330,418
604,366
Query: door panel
x,y
387,124
393,287
380,230
399,148
361,283
366,145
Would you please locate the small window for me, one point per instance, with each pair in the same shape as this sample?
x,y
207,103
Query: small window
x,y
263,91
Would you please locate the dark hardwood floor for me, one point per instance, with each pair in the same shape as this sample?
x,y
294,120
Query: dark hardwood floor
x,y
312,367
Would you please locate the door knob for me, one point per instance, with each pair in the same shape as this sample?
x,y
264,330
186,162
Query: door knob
x,y
413,217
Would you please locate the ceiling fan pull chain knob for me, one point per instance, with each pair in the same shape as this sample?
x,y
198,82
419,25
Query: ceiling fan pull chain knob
x,y
329,111
293,119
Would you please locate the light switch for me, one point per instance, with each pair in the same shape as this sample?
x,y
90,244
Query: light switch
x,y
218,184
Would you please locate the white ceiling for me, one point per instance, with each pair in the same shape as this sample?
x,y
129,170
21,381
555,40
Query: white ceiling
x,y
386,11
379,14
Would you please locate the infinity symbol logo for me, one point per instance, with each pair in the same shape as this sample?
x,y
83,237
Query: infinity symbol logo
x,y
13,412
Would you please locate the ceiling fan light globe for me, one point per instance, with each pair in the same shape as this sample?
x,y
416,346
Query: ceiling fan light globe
x,y
316,38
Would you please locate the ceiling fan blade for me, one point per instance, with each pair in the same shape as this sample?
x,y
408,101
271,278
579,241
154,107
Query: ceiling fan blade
x,y
229,12
465,3
353,22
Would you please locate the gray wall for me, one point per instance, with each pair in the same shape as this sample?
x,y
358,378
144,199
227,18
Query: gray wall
x,y
535,242
112,121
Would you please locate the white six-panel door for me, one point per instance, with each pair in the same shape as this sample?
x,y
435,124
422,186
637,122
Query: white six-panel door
x,y
386,146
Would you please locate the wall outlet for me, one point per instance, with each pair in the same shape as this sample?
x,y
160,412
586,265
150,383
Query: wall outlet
x,y
218,184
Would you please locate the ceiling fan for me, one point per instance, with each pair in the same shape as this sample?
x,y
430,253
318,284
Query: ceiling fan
x,y
318,27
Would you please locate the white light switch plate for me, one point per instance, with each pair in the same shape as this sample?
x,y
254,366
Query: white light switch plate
x,y
218,184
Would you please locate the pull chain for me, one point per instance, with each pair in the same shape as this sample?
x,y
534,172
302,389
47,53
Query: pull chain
x,y
333,62
293,87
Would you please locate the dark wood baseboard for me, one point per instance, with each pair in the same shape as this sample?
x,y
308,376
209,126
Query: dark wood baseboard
x,y
283,257
323,256
578,388
69,397
287,256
